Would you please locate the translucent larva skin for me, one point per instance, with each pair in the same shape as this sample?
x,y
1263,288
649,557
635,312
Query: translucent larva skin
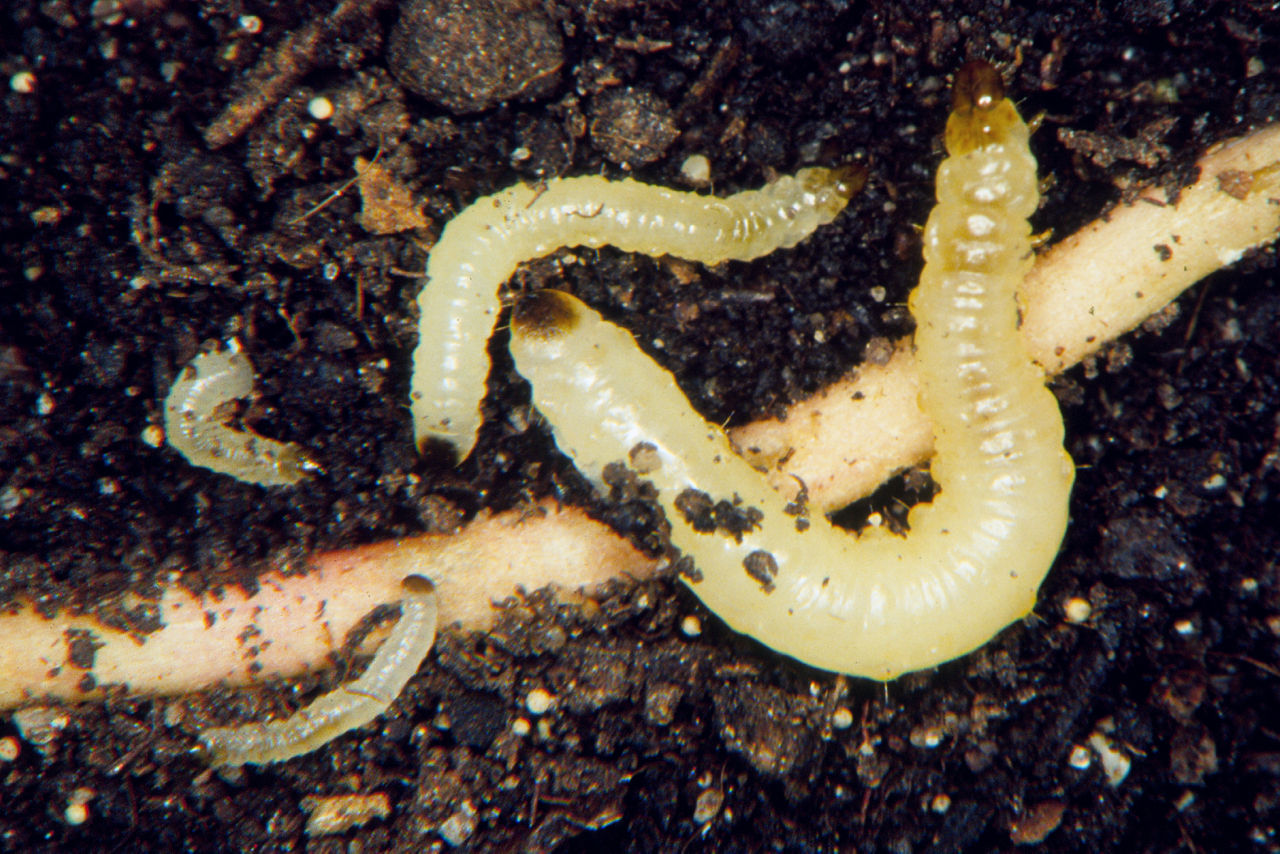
x,y
875,605
193,428
481,247
345,708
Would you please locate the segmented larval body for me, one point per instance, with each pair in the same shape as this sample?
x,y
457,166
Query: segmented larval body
x,y
877,604
481,247
195,428
347,706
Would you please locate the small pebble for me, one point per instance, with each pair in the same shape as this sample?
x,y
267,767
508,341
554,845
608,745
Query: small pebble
x,y
842,718
340,813
320,108
1077,610
77,809
1214,482
708,805
696,169
538,702
153,435
458,827
10,499
1037,822
174,713
1080,757
23,82
40,725
9,748
660,703
926,737
691,626
469,55
1114,763
632,126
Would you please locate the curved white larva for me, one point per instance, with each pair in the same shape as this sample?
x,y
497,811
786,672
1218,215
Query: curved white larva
x,y
345,708
194,429
875,605
481,247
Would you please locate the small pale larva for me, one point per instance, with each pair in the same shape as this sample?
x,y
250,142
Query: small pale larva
x,y
194,428
875,605
345,708
481,247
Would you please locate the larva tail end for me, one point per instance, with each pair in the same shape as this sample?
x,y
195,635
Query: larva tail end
x,y
544,314
980,113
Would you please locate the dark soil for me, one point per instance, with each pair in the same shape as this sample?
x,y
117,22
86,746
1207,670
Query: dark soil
x,y
128,241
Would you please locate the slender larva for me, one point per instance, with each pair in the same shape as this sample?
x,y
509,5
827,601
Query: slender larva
x,y
875,605
345,708
194,428
481,247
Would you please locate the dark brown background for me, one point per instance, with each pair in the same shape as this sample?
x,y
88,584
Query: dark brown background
x,y
160,244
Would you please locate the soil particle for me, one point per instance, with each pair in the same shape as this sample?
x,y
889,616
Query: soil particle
x,y
632,126
1037,822
775,732
475,717
1192,755
467,56
339,813
762,568
1145,545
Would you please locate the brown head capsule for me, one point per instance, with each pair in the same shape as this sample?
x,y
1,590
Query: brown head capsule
x,y
980,114
841,183
418,585
544,315
978,85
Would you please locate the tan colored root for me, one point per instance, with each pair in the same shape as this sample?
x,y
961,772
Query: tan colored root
x,y
293,623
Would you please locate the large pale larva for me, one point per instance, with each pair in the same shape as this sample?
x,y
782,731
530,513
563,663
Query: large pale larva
x,y
481,247
194,426
345,708
875,605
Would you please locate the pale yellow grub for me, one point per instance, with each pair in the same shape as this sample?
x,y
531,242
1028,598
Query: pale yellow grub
x,y
875,605
482,246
